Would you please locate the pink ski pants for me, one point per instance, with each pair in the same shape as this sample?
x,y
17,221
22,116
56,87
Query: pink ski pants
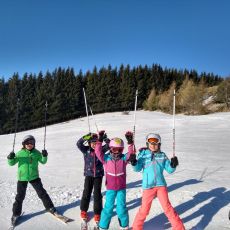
x,y
147,197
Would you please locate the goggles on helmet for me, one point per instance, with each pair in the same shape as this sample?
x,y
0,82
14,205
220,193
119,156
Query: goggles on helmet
x,y
153,141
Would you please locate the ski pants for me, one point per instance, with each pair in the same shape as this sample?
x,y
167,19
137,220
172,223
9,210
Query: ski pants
x,y
147,197
92,184
121,209
21,193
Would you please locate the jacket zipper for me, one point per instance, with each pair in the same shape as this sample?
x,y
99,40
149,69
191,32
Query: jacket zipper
x,y
115,173
94,160
29,168
155,170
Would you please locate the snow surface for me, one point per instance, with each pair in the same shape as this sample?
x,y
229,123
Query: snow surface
x,y
199,189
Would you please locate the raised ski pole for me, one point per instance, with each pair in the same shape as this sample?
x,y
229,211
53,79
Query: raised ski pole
x,y
16,123
46,105
94,119
174,108
86,108
135,109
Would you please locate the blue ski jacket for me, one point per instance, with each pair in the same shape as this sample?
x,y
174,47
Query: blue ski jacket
x,y
92,166
152,166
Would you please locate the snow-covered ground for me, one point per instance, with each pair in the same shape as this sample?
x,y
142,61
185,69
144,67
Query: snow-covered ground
x,y
199,189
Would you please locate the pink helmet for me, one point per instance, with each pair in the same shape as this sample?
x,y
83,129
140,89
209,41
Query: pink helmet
x,y
116,142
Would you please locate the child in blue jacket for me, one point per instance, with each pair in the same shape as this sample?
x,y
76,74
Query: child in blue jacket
x,y
152,162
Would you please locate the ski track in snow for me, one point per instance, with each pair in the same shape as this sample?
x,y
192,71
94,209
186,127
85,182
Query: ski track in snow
x,y
199,189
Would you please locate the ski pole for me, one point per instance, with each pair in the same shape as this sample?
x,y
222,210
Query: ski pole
x,y
135,109
86,108
94,119
46,105
16,123
174,108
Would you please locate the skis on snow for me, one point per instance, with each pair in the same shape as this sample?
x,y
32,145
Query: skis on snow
x,y
62,218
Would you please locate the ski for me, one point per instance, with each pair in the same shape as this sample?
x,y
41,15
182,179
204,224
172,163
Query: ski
x,y
14,222
84,224
62,218
96,227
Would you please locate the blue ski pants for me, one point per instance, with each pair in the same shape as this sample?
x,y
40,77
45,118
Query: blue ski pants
x,y
121,209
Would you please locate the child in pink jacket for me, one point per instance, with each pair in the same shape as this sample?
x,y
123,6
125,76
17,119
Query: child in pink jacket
x,y
114,163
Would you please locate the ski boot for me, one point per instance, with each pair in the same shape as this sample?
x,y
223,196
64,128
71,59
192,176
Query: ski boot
x,y
124,228
13,223
52,210
14,219
96,219
84,222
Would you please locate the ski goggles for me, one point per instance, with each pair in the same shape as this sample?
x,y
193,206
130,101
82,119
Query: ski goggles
x,y
29,142
153,141
116,150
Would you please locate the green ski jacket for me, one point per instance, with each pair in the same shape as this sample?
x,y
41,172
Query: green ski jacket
x,y
27,163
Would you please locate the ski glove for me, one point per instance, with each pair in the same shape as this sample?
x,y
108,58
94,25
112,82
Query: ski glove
x,y
133,159
87,137
102,135
11,156
44,153
129,137
174,162
106,140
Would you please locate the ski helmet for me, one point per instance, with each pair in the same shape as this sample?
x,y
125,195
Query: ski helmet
x,y
28,138
153,137
116,142
116,148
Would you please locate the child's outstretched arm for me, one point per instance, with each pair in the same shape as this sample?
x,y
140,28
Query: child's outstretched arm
x,y
80,143
137,162
98,149
170,166
130,142
12,159
44,157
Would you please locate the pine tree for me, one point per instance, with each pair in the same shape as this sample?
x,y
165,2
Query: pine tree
x,y
12,96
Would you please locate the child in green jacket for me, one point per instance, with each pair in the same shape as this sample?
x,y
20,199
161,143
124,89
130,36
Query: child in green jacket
x,y
27,159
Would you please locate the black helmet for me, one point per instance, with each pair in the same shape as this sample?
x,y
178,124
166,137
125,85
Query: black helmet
x,y
28,138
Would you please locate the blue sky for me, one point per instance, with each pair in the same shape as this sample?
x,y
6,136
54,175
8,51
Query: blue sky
x,y
41,35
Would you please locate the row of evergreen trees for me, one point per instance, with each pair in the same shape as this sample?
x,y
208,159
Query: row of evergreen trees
x,y
107,89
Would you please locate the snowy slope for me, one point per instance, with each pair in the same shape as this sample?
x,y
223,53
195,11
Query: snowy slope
x,y
199,189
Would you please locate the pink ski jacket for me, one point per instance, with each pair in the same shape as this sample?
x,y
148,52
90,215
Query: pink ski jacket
x,y
115,170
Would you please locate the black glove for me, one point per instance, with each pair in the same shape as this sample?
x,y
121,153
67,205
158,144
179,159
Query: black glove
x,y
102,135
44,153
129,137
174,162
11,156
133,159
106,140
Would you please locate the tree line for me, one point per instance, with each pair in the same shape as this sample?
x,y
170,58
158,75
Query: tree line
x,y
107,89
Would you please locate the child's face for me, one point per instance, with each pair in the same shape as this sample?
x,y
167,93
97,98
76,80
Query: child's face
x,y
29,144
154,147
93,145
116,150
